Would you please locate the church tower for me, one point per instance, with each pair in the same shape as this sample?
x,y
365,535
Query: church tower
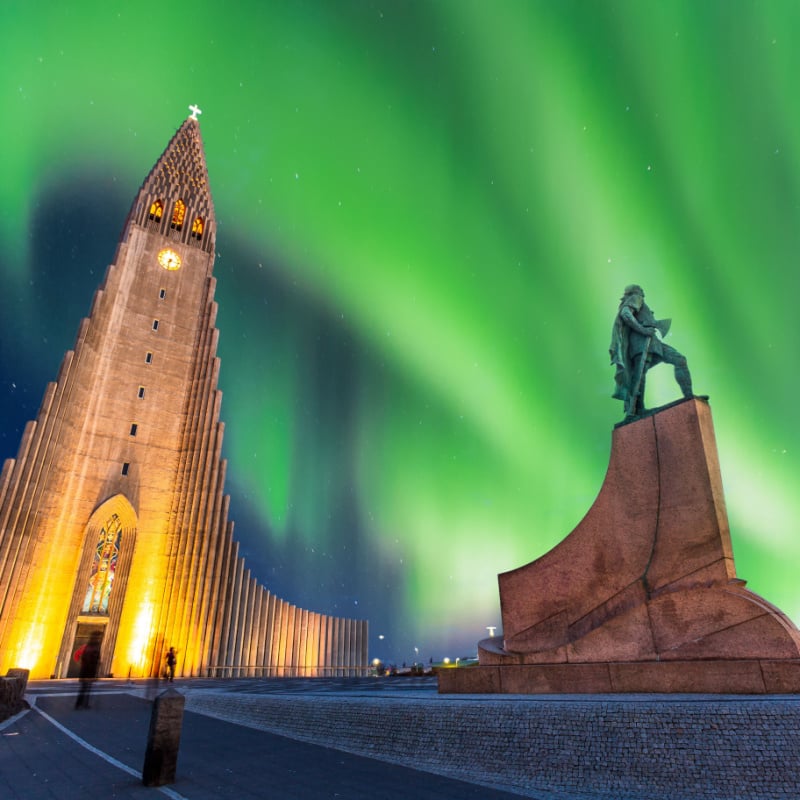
x,y
113,519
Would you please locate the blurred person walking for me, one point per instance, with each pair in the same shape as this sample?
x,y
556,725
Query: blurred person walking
x,y
90,660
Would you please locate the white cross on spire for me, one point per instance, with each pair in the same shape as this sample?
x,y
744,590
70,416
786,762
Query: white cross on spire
x,y
195,111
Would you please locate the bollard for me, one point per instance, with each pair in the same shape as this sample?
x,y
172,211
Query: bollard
x,y
12,693
161,756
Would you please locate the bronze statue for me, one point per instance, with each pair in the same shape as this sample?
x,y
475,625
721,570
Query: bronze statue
x,y
635,347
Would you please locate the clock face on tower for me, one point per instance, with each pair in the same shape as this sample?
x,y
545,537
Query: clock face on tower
x,y
169,259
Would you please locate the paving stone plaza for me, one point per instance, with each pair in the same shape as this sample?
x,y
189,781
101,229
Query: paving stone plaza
x,y
399,738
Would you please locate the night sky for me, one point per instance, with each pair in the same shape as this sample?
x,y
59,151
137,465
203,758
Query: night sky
x,y
427,212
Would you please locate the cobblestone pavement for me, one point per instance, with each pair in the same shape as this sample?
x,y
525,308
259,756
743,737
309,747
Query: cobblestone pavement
x,y
549,747
605,747
55,751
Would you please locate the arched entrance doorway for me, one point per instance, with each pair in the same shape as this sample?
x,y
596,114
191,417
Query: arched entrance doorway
x,y
100,586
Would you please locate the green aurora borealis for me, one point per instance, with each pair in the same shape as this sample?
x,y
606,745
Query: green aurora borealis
x,y
427,212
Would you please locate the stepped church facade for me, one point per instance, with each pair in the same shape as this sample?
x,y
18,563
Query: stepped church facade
x,y
113,519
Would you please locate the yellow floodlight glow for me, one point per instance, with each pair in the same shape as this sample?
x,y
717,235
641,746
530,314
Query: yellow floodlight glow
x,y
29,648
137,650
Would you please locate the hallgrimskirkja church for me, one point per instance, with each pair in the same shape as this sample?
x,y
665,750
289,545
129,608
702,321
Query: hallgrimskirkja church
x,y
113,519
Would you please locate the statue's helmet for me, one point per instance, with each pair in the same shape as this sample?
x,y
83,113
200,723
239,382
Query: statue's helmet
x,y
634,288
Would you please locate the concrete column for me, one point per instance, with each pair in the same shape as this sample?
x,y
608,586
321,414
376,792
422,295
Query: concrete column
x,y
291,664
348,630
247,626
328,645
283,624
219,619
338,640
312,647
270,639
302,642
230,649
261,631
241,624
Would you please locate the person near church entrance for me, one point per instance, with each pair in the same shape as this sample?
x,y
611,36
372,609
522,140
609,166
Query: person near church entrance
x,y
90,660
171,661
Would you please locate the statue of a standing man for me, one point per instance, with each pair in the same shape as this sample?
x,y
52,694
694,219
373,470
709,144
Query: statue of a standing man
x,y
635,347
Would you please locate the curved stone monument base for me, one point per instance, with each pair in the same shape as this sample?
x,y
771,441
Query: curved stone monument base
x,y
718,676
643,594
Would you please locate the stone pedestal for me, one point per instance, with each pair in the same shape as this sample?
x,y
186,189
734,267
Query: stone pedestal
x,y
643,594
164,738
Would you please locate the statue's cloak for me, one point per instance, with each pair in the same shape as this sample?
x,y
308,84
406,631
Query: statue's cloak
x,y
620,358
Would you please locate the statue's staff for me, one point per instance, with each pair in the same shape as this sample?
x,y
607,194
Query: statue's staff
x,y
639,376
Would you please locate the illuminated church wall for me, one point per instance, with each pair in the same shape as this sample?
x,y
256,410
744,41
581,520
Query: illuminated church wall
x,y
113,516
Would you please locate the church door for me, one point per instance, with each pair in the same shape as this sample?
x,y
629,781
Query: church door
x,y
82,635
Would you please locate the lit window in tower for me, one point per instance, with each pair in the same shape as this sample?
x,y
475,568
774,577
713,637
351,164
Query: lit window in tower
x,y
156,210
104,565
178,214
197,228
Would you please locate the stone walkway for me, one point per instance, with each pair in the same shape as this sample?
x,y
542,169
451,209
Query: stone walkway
x,y
275,738
56,752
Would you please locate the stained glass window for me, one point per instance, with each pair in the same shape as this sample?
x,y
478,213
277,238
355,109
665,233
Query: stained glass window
x,y
104,566
178,214
197,228
156,210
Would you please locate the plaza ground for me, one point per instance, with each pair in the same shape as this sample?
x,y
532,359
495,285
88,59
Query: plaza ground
x,y
399,738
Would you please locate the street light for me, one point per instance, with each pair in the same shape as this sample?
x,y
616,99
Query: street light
x,y
491,629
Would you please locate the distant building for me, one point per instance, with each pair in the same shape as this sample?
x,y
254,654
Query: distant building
x,y
112,516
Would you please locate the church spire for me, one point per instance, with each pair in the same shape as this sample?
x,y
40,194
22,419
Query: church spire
x,y
175,198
